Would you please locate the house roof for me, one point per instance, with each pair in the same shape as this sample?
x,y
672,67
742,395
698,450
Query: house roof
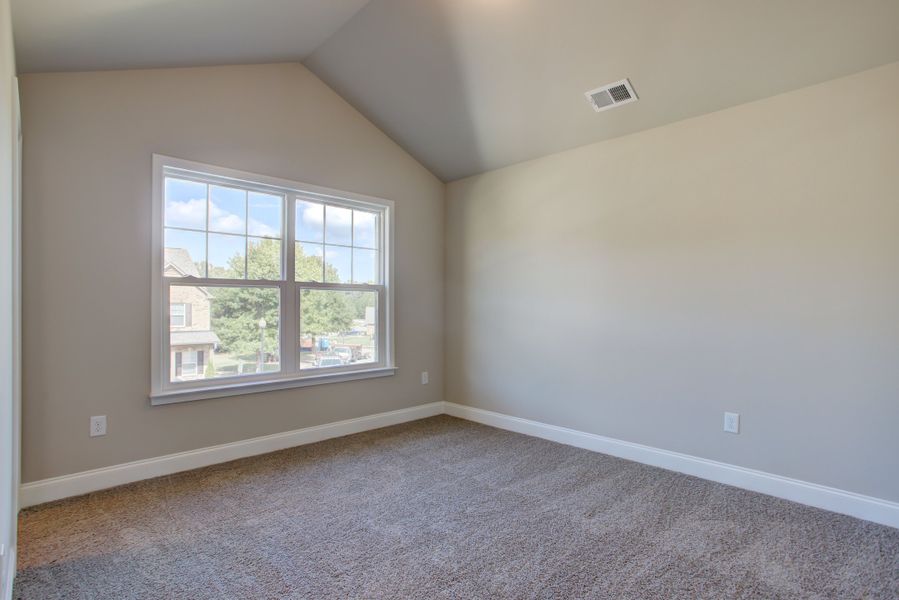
x,y
179,259
193,338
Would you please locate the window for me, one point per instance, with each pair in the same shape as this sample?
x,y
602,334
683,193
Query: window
x,y
265,284
178,314
188,364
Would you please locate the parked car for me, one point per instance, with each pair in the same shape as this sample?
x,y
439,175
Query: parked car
x,y
345,353
329,360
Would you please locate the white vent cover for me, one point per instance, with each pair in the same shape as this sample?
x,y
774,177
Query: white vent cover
x,y
612,95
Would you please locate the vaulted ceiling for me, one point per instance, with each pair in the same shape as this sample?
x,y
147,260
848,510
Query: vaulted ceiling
x,y
472,85
88,35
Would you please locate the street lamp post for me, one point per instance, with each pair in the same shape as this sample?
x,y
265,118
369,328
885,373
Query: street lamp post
x,y
262,325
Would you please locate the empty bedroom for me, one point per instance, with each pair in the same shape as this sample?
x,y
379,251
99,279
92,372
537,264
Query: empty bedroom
x,y
476,299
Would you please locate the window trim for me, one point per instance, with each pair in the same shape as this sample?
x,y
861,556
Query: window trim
x,y
163,391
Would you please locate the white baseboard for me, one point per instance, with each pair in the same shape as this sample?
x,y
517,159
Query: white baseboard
x,y
880,511
56,488
10,570
849,503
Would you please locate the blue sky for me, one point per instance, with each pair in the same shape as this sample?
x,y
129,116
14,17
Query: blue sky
x,y
185,206
233,213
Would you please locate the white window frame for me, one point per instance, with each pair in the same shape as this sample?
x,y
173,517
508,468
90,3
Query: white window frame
x,y
164,391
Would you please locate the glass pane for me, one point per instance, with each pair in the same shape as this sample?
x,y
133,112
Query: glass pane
x,y
365,266
189,366
365,229
338,264
185,254
227,210
263,258
226,256
185,203
309,259
235,328
337,328
265,215
177,315
338,225
310,221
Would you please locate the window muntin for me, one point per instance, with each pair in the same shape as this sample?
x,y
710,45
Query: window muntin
x,y
220,225
228,238
337,237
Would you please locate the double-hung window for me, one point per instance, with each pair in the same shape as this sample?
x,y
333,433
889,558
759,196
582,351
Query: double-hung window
x,y
262,283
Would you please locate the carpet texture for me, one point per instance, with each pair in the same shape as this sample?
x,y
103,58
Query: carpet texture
x,y
445,508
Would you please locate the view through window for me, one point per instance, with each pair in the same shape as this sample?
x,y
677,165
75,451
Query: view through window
x,y
251,294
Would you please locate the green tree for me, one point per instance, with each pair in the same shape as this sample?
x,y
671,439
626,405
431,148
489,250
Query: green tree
x,y
324,311
236,311
359,302
310,268
210,368
236,314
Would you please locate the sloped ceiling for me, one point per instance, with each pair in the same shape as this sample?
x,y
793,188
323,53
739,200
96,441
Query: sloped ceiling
x,y
472,85
88,35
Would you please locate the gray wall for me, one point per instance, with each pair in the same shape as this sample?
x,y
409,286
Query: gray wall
x,y
89,138
746,260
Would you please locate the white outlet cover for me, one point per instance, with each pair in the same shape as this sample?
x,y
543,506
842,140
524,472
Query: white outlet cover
x,y
425,379
732,422
98,426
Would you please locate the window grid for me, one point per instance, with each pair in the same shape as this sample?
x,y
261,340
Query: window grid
x,y
208,229
291,290
325,243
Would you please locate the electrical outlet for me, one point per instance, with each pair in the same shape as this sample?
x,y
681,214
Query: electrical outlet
x,y
424,378
98,426
732,422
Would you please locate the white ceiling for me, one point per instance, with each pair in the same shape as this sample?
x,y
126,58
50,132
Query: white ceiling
x,y
71,35
472,85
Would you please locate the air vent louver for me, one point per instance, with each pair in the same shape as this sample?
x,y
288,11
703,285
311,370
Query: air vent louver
x,y
612,95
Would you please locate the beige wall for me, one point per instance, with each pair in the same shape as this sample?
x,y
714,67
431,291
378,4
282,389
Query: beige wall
x,y
89,140
746,260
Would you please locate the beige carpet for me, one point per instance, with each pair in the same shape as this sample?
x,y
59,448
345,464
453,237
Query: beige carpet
x,y
444,508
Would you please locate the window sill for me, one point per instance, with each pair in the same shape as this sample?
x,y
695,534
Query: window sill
x,y
254,387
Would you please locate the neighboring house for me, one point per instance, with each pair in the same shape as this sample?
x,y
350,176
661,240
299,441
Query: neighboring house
x,y
370,320
190,311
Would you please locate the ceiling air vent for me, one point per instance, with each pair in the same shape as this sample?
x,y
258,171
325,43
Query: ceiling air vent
x,y
612,95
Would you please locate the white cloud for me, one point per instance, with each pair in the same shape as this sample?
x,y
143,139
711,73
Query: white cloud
x,y
191,214
261,229
221,220
314,215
